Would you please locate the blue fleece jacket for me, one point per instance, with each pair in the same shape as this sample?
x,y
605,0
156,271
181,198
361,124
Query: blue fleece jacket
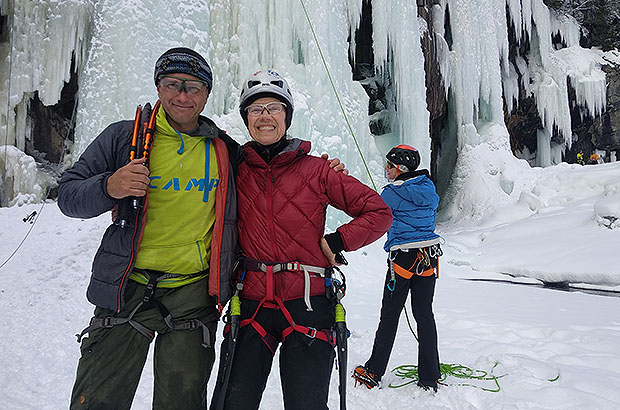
x,y
413,202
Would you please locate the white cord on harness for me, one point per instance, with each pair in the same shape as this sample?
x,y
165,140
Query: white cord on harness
x,y
307,289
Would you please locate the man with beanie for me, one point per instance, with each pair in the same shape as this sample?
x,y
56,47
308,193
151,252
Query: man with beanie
x,y
162,269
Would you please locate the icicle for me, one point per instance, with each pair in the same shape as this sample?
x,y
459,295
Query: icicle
x,y
396,37
45,37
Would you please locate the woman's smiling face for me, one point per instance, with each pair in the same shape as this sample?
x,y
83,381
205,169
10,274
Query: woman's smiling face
x,y
267,128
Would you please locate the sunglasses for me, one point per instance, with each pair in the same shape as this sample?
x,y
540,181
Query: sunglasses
x,y
176,84
389,165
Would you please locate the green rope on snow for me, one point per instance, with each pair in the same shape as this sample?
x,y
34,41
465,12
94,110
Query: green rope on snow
x,y
337,96
449,369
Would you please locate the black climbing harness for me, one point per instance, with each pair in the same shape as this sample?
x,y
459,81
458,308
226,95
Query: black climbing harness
x,y
147,301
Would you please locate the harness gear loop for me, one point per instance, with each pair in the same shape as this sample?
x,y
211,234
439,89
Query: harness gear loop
x,y
409,261
307,288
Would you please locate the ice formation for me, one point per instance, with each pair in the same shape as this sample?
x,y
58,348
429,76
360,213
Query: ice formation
x,y
22,176
396,36
478,72
45,37
549,68
114,44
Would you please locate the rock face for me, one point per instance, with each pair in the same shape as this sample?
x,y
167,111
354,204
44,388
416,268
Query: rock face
x,y
435,91
382,104
52,126
606,130
52,129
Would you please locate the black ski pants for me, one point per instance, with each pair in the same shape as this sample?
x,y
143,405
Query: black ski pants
x,y
422,290
305,363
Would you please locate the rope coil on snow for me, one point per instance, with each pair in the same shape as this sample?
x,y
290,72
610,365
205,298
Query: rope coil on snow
x,y
450,369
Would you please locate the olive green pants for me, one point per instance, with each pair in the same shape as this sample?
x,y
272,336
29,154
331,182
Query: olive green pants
x,y
113,358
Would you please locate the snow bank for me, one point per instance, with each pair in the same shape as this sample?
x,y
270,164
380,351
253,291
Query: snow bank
x,y
24,181
607,209
557,231
526,334
487,177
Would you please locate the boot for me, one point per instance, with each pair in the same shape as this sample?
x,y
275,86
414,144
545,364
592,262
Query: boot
x,y
432,385
363,376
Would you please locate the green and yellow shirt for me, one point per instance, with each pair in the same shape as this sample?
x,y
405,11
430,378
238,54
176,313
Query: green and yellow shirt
x,y
181,208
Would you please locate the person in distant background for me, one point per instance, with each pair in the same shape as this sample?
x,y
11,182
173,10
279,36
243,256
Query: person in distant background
x,y
414,250
286,298
594,158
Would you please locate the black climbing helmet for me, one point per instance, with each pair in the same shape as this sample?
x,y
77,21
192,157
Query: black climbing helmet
x,y
407,158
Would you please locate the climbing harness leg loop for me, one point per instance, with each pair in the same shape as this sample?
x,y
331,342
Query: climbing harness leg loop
x,y
149,300
272,300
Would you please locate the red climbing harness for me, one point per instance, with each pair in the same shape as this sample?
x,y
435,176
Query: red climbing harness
x,y
272,300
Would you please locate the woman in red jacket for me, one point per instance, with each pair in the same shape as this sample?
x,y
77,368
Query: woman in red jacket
x,y
283,194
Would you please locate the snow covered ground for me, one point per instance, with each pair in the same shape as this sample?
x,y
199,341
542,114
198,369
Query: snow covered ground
x,y
553,349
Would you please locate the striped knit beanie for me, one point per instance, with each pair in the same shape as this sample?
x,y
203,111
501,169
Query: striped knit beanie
x,y
183,60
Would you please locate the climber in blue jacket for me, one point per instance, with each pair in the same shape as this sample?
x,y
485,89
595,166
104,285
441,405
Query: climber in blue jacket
x,y
414,250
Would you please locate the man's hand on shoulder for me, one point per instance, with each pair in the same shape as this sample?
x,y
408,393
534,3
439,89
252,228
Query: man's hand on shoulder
x,y
335,164
130,180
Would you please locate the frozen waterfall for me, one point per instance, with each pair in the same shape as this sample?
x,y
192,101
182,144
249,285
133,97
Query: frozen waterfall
x,y
113,45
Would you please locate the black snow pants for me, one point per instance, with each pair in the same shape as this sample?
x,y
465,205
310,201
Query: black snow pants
x,y
422,290
305,363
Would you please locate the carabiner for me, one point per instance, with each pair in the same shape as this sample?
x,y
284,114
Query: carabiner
x,y
391,285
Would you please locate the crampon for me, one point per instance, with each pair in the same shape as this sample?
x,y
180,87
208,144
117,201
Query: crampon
x,y
364,377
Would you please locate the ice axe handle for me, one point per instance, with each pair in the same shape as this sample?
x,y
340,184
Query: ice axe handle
x,y
341,346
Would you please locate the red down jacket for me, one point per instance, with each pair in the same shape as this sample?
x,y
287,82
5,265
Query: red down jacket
x,y
281,215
